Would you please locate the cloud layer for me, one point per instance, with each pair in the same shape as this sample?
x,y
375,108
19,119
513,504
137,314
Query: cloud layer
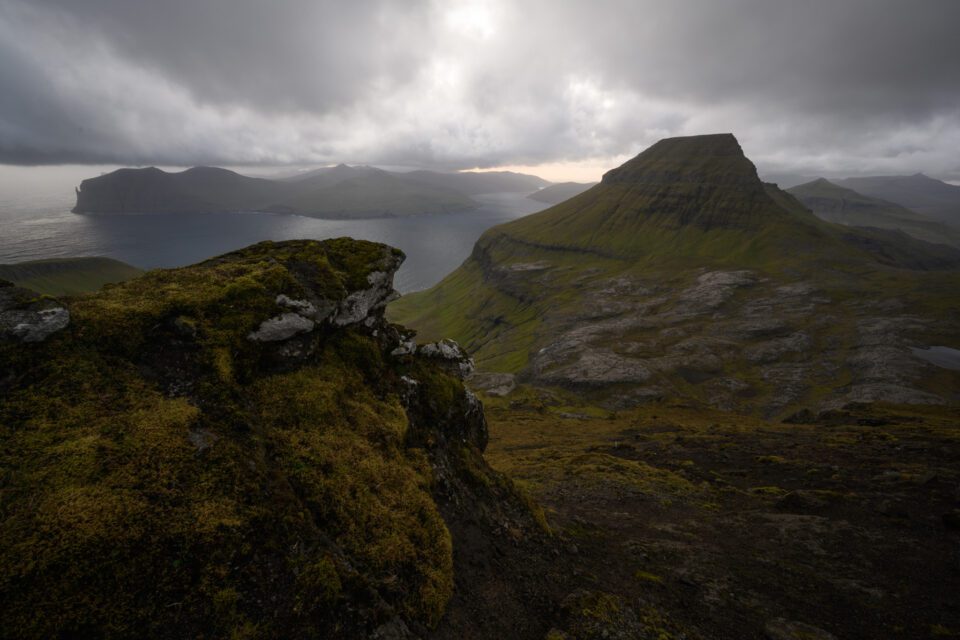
x,y
817,87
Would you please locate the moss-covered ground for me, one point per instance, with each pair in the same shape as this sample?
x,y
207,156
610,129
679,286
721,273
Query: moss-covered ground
x,y
161,475
718,522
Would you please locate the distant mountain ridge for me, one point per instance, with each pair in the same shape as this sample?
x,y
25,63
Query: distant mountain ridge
x,y
330,192
921,193
834,203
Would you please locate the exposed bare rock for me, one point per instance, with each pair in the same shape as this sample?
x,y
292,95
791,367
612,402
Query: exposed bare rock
x,y
29,317
358,305
716,287
406,348
451,355
593,366
774,350
494,384
282,327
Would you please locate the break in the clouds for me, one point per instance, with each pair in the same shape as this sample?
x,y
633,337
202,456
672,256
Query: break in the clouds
x,y
817,87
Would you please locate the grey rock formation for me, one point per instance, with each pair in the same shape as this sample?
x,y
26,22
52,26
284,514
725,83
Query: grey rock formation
x,y
734,340
282,327
493,384
406,348
28,317
449,351
303,316
358,305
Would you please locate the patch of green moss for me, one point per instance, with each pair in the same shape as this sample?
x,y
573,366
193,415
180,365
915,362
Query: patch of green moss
x,y
160,479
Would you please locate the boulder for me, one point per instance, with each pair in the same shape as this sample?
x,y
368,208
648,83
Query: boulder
x,y
26,316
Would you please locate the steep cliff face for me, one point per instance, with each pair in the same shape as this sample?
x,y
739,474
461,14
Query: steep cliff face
x,y
241,448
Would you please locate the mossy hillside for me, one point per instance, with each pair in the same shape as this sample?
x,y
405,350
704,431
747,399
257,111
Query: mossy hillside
x,y
164,476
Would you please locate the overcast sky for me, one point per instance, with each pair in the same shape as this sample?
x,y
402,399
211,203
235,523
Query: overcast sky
x,y
819,87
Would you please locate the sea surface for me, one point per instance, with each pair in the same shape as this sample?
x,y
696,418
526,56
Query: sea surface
x,y
36,223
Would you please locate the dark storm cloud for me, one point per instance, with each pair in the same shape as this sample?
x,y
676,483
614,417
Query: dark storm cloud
x,y
292,54
824,86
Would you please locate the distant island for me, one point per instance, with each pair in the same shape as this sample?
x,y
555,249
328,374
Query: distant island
x,y
340,192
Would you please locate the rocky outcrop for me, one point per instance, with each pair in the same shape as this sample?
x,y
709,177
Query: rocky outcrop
x,y
26,316
450,355
733,339
357,307
243,439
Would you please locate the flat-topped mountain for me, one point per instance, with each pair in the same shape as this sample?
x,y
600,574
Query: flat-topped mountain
x,y
834,203
557,193
333,192
683,275
925,195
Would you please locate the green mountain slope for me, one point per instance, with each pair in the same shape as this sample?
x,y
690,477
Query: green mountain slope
x,y
925,195
683,275
67,276
834,203
557,193
237,449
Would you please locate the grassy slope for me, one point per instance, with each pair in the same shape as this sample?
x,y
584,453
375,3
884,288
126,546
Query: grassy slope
x,y
837,204
664,235
67,276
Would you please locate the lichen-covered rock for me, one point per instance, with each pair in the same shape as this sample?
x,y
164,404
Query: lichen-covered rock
x,y
450,354
26,316
359,304
166,476
493,384
282,327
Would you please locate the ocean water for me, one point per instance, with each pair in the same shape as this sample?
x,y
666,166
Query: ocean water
x,y
36,223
